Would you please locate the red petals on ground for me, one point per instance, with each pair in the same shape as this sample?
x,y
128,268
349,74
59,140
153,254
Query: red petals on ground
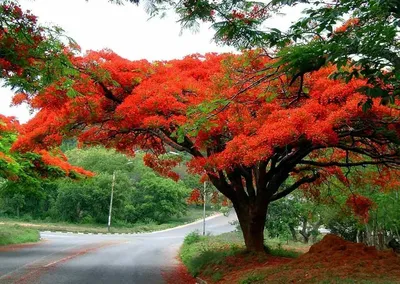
x,y
178,275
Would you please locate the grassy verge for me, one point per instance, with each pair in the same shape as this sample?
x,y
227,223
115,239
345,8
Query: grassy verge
x,y
222,259
215,257
14,234
192,215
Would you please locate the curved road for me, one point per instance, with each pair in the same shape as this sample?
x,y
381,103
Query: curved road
x,y
81,258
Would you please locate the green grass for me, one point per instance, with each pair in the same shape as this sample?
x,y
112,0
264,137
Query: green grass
x,y
193,214
278,251
200,253
14,234
252,278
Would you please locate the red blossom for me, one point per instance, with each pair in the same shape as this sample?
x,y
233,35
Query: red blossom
x,y
360,206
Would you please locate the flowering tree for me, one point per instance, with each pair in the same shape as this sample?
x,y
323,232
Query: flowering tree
x,y
257,142
32,55
360,34
256,133
29,167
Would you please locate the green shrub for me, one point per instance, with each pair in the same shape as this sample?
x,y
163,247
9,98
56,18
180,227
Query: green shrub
x,y
88,219
198,252
252,278
284,253
192,238
27,218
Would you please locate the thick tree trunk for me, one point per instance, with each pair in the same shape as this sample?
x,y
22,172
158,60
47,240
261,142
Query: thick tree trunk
x,y
252,222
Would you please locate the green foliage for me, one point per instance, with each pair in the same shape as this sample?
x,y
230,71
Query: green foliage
x,y
366,46
252,278
200,253
294,215
17,234
282,216
101,160
35,54
158,198
192,238
140,195
279,251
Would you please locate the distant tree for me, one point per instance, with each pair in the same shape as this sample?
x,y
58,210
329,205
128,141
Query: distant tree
x,y
158,199
293,216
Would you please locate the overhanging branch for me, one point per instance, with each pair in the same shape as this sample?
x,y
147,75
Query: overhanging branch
x,y
349,164
297,184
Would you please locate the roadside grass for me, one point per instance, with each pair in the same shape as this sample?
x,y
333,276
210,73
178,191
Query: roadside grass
x,y
332,260
193,214
14,234
214,257
223,259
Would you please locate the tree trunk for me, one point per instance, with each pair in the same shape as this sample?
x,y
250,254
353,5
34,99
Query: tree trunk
x,y
252,222
304,232
293,232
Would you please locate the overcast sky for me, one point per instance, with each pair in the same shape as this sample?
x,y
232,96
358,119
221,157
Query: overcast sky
x,y
97,24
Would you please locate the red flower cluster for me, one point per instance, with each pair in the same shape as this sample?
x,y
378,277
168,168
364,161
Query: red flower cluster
x,y
195,197
360,205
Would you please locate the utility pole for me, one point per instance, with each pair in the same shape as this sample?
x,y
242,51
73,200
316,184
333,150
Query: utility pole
x,y
111,201
204,209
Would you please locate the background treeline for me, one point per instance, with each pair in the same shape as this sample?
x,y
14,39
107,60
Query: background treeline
x,y
140,195
298,218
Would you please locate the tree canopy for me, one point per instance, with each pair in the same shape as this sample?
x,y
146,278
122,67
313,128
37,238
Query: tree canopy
x,y
249,137
256,132
360,37
31,166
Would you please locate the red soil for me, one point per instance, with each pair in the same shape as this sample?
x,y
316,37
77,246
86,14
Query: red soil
x,y
234,267
347,259
178,275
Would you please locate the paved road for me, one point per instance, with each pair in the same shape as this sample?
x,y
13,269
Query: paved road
x,y
78,258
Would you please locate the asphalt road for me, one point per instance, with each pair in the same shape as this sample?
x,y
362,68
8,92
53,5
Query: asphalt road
x,y
81,258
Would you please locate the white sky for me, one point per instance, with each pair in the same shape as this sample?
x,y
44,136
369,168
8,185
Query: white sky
x,y
125,29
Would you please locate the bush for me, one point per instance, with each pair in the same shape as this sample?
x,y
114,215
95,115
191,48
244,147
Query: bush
x,y
26,218
198,252
88,219
192,238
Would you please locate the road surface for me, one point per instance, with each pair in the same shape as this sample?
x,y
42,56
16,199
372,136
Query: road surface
x,y
81,258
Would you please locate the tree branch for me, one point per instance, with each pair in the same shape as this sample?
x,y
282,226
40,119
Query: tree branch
x,y
344,164
297,184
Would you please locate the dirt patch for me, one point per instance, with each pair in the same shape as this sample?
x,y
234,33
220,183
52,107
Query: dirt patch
x,y
19,246
337,259
178,275
332,260
232,269
302,249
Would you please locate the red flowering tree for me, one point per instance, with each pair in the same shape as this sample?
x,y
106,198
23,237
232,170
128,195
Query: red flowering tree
x,y
256,136
29,167
32,55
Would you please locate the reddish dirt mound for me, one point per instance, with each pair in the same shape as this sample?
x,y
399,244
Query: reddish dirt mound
x,y
346,259
337,251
